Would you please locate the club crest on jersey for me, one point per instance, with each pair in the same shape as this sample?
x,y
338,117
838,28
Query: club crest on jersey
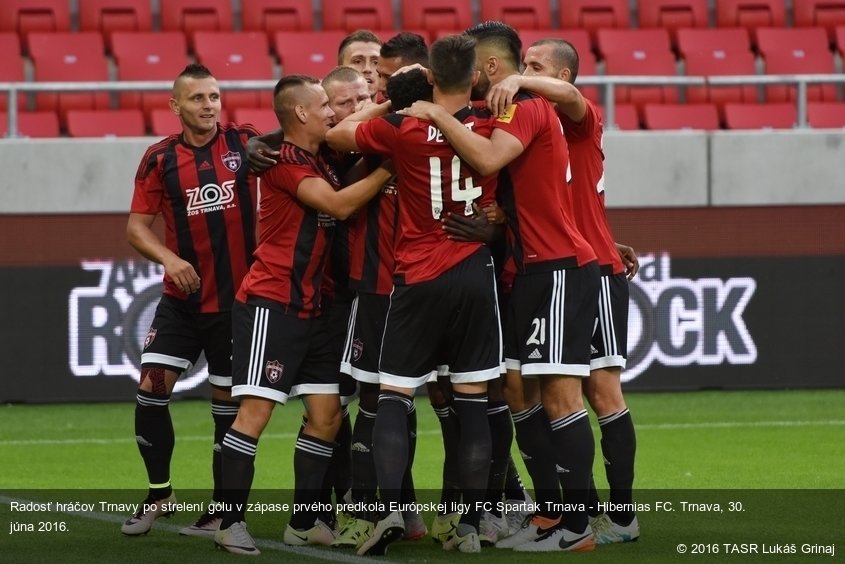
x,y
151,335
232,160
274,370
357,349
508,115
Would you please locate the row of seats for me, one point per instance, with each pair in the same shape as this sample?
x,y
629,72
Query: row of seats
x,y
130,122
25,16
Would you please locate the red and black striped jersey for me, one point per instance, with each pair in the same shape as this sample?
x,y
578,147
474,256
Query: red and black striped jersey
x,y
207,199
586,158
293,239
534,192
433,181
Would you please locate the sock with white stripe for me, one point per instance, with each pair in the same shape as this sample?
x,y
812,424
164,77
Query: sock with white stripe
x,y
311,460
474,448
575,448
534,438
390,444
450,494
514,488
364,480
501,437
341,466
223,413
237,457
409,493
155,438
619,446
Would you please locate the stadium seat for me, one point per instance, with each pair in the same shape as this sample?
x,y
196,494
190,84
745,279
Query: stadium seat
x,y
625,116
32,124
27,16
579,39
109,16
271,16
437,16
673,15
191,16
750,14
64,57
308,52
163,122
263,119
11,66
840,40
349,15
237,56
592,15
148,56
796,51
520,14
826,114
760,116
105,123
819,13
639,52
717,52
681,116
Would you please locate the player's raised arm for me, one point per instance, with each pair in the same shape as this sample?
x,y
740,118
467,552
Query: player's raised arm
x,y
341,137
319,194
566,96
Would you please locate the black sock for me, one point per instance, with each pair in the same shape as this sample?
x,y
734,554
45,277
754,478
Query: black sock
x,y
237,456
223,413
154,434
619,446
575,448
593,506
501,437
311,460
473,452
514,488
450,494
342,458
364,480
409,494
390,444
533,435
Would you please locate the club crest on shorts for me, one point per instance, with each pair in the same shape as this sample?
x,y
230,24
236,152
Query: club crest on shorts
x,y
274,370
232,160
151,335
357,349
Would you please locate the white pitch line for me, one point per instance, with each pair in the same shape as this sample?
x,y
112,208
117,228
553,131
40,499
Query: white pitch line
x,y
639,427
266,544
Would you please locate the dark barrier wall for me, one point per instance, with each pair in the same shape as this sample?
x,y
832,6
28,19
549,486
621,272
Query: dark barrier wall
x,y
726,298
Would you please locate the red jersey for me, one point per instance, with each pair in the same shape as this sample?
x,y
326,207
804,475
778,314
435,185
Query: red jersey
x,y
432,181
587,162
207,199
293,239
533,191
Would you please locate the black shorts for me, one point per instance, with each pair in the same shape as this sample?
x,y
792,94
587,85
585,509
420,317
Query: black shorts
x,y
610,340
550,321
363,342
336,318
452,319
178,336
277,355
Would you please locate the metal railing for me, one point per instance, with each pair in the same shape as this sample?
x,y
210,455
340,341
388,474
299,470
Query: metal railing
x,y
802,81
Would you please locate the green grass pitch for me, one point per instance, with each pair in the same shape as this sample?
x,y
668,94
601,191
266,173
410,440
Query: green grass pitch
x,y
765,468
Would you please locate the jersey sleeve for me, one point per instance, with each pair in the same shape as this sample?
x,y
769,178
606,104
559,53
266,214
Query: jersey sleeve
x,y
149,190
376,136
286,177
523,119
585,129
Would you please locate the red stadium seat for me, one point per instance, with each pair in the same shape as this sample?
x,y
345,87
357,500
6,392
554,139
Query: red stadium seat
x,y
148,56
826,114
11,66
673,15
271,16
263,119
716,52
625,116
760,116
750,14
840,40
796,51
639,52
163,122
237,56
191,16
520,14
681,116
819,13
308,52
64,57
32,124
580,40
349,15
105,123
592,15
27,16
109,16
436,16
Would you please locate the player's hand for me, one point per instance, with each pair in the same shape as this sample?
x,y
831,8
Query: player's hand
x,y
260,155
182,274
474,228
495,214
629,260
500,96
421,110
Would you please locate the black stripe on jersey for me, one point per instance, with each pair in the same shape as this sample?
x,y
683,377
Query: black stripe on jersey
x,y
394,119
233,140
369,271
306,238
173,187
150,160
507,201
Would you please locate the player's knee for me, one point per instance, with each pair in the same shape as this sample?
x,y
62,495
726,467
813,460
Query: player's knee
x,y
154,379
604,396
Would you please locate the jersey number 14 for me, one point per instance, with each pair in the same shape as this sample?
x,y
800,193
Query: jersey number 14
x,y
465,194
